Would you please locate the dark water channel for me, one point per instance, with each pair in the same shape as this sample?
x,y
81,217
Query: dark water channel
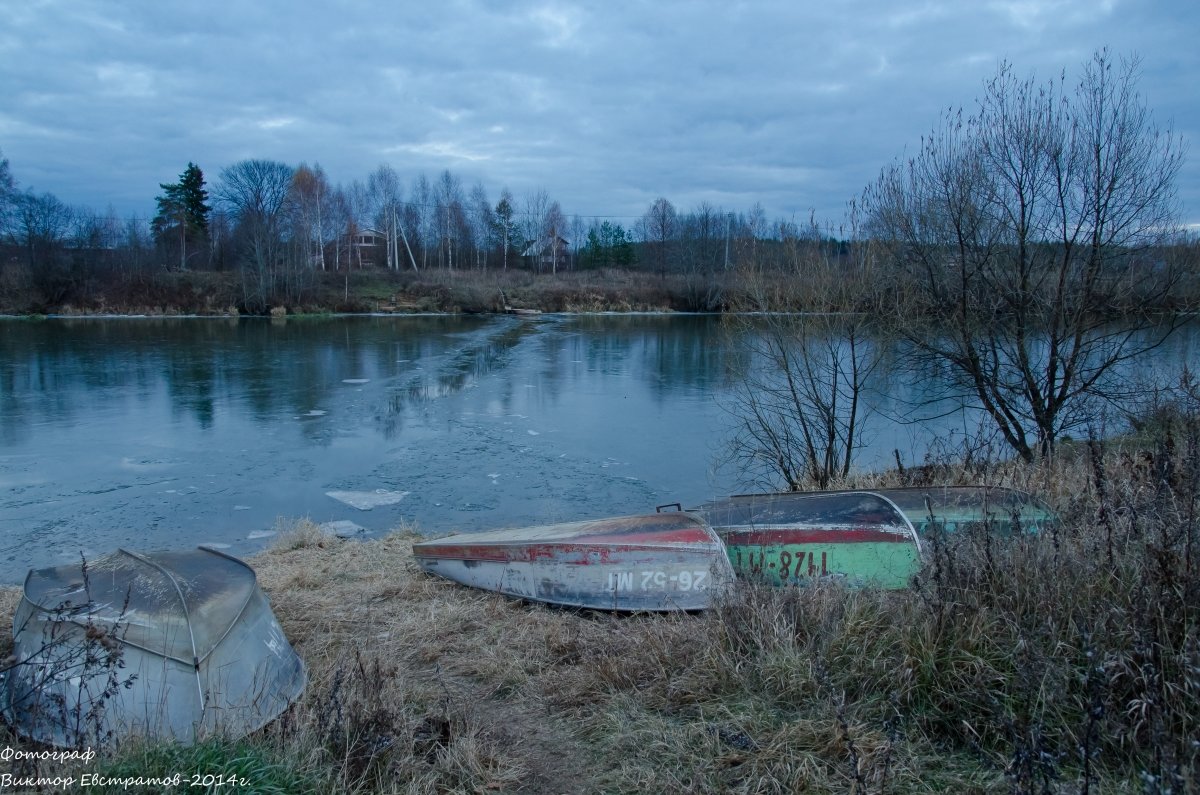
x,y
151,433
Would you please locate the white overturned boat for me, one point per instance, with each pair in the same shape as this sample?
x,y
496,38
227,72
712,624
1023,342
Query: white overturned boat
x,y
655,562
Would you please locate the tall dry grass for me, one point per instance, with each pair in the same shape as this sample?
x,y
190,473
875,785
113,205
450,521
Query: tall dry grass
x,y
1066,662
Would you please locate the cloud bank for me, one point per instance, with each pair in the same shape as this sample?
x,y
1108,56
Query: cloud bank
x,y
605,106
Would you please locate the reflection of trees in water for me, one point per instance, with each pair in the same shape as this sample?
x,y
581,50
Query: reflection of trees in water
x,y
67,371
63,371
670,353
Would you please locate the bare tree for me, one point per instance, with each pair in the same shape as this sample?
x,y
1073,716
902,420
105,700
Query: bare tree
x,y
483,221
798,400
258,196
426,216
386,196
1021,233
451,217
701,244
554,225
660,227
505,225
312,194
40,225
42,222
359,210
339,219
578,235
533,224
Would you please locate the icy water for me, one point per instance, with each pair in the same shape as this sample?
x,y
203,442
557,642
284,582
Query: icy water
x,y
154,433
151,433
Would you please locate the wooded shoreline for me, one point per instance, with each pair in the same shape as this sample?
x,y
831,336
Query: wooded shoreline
x,y
382,291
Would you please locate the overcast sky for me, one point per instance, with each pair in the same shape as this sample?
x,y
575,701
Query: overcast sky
x,y
605,105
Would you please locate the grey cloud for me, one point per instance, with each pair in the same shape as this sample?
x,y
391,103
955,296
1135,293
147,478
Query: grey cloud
x,y
794,105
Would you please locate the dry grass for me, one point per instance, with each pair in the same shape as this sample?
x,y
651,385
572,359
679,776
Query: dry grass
x,y
414,683
978,679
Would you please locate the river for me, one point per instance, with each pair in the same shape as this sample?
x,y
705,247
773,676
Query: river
x,y
152,433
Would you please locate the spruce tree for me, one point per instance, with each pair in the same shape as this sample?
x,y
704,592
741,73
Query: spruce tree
x,y
182,212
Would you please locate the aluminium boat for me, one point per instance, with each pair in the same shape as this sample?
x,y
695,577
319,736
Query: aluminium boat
x,y
655,562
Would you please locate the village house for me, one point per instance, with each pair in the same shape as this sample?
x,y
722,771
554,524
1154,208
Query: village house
x,y
547,253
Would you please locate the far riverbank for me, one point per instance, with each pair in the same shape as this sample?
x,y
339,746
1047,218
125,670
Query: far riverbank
x,y
390,292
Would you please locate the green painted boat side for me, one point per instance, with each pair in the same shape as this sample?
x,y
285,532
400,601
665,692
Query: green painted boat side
x,y
859,538
877,564
956,509
932,509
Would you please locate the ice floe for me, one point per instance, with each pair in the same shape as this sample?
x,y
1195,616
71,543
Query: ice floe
x,y
257,534
356,380
342,528
366,500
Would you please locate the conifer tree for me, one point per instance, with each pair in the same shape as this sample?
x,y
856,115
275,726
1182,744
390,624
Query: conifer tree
x,y
182,212
8,192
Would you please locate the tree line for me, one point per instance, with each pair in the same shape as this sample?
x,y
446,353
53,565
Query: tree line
x,y
281,226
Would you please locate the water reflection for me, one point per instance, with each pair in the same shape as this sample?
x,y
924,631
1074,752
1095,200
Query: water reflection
x,y
184,430
159,432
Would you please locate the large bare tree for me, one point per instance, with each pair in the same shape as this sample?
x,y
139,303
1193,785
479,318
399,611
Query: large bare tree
x,y
1026,240
258,195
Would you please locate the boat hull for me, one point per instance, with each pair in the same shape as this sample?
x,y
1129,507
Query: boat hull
x,y
938,509
859,538
959,509
657,562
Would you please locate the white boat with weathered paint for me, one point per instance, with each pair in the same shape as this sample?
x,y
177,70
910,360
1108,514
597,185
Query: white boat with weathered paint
x,y
655,562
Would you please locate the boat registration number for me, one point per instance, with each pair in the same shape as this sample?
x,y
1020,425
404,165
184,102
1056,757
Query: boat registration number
x,y
654,580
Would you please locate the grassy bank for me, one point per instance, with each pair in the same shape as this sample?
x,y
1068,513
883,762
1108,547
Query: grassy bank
x,y
1068,662
375,290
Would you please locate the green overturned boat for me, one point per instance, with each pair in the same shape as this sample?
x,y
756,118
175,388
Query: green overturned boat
x,y
864,538
955,509
794,538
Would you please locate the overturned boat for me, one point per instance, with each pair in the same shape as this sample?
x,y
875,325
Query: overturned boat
x,y
163,646
655,562
942,509
955,509
859,537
